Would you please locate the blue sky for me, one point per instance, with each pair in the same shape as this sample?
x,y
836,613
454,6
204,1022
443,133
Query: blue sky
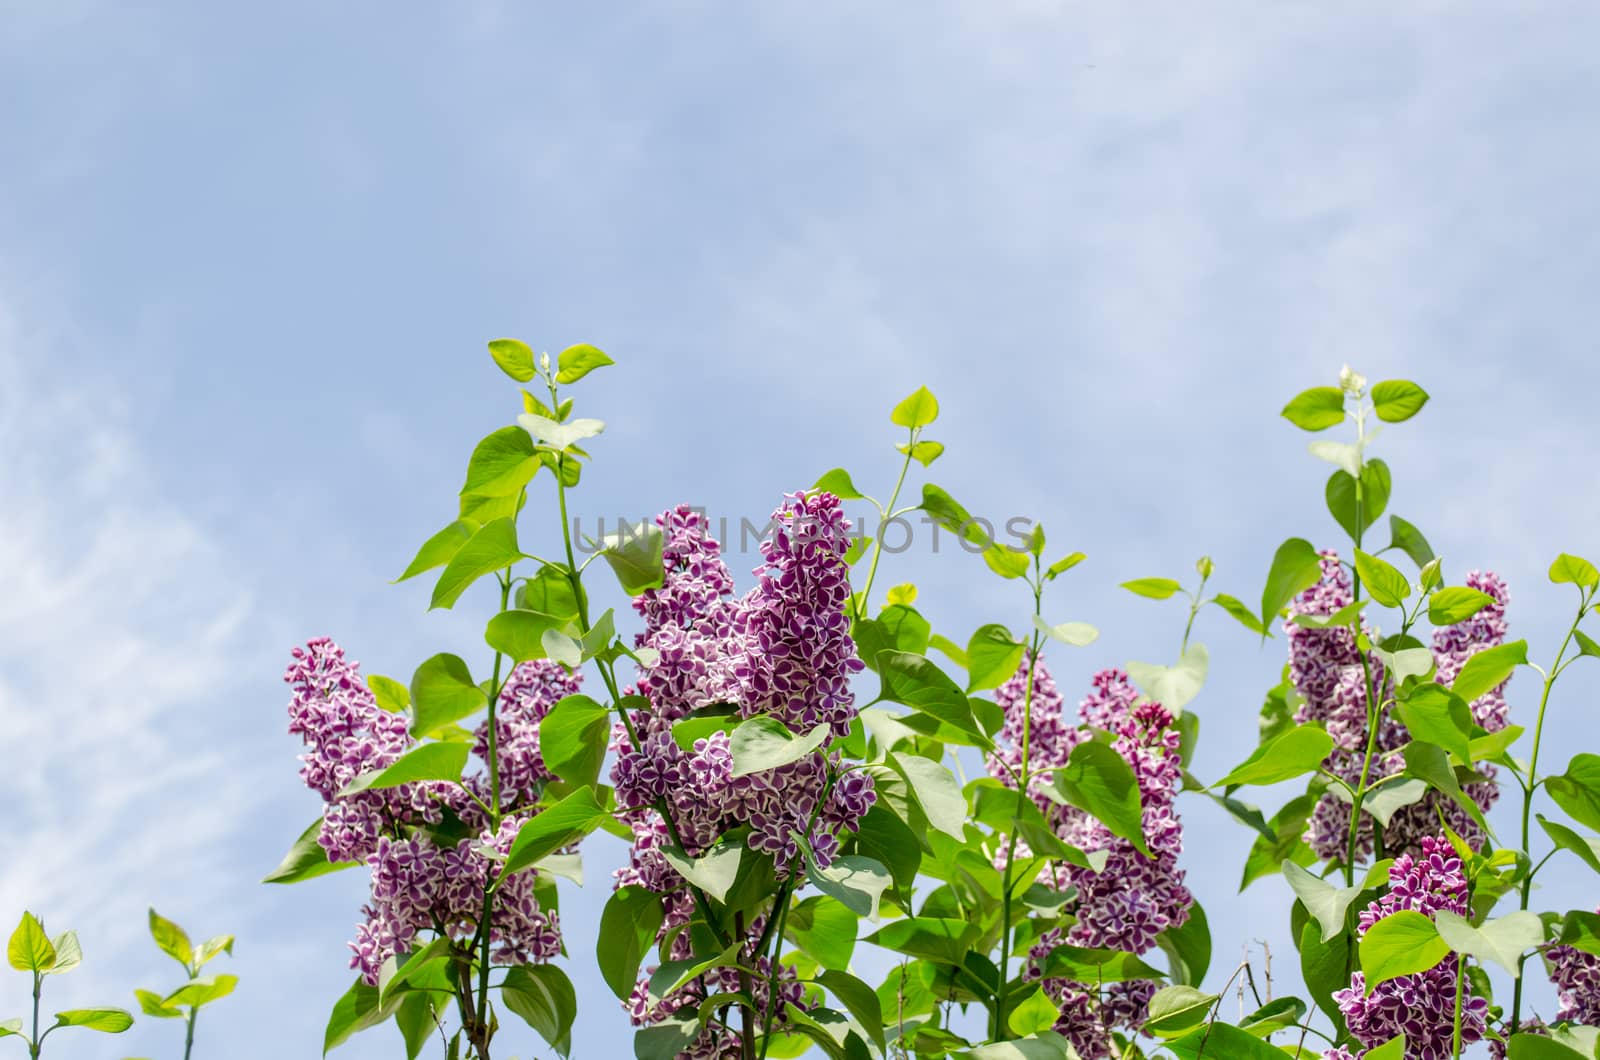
x,y
248,261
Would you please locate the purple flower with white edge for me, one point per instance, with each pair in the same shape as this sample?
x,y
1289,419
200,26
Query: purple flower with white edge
x,y
1420,1006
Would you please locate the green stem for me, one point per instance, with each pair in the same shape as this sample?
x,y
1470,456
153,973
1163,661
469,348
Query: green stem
x,y
1461,982
36,1042
884,515
188,1038
1526,891
1373,717
1003,990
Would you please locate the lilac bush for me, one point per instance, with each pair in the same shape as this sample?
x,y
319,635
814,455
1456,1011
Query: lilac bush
x,y
789,766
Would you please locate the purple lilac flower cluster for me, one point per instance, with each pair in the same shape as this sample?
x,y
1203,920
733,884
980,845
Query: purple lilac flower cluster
x,y
1576,977
419,883
1325,667
1420,1006
784,650
1134,898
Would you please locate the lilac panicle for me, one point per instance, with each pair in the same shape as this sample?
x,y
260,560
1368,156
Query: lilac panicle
x,y
1421,1006
1134,898
418,884
1576,977
784,650
1325,667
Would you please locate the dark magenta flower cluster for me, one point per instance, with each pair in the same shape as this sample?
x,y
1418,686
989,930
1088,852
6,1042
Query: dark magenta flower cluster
x,y
1133,898
1420,1006
1325,668
782,650
1576,977
420,882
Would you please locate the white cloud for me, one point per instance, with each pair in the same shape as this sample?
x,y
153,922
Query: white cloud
x,y
119,622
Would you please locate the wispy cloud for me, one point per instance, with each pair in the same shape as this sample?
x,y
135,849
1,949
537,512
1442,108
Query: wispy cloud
x,y
119,620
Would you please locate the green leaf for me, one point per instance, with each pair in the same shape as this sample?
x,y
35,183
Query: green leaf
x,y
1274,1016
918,410
11,1027
713,872
859,1000
1173,686
1047,1045
415,1018
1241,614
1502,940
937,793
924,452
1586,847
1188,947
1076,634
1577,791
543,996
438,549
824,928
993,655
1574,570
1296,567
933,938
391,695
1527,1046
151,1004
1032,1013
1268,852
29,949
1064,564
69,954
1431,763
519,633
573,738
501,465
1488,669
428,761
1344,504
549,830
858,882
916,682
1088,965
1393,1049
199,992
1316,409
1456,603
575,362
306,859
762,743
171,939
1296,753
492,548
1154,588
1437,715
1097,780
665,1040
673,974
442,692
898,627
1326,903
628,926
1382,579
559,647
104,1020
356,1011
514,357
1175,1010
1402,943
1397,400
1586,644
1326,967
1408,539
837,482
560,436
635,557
